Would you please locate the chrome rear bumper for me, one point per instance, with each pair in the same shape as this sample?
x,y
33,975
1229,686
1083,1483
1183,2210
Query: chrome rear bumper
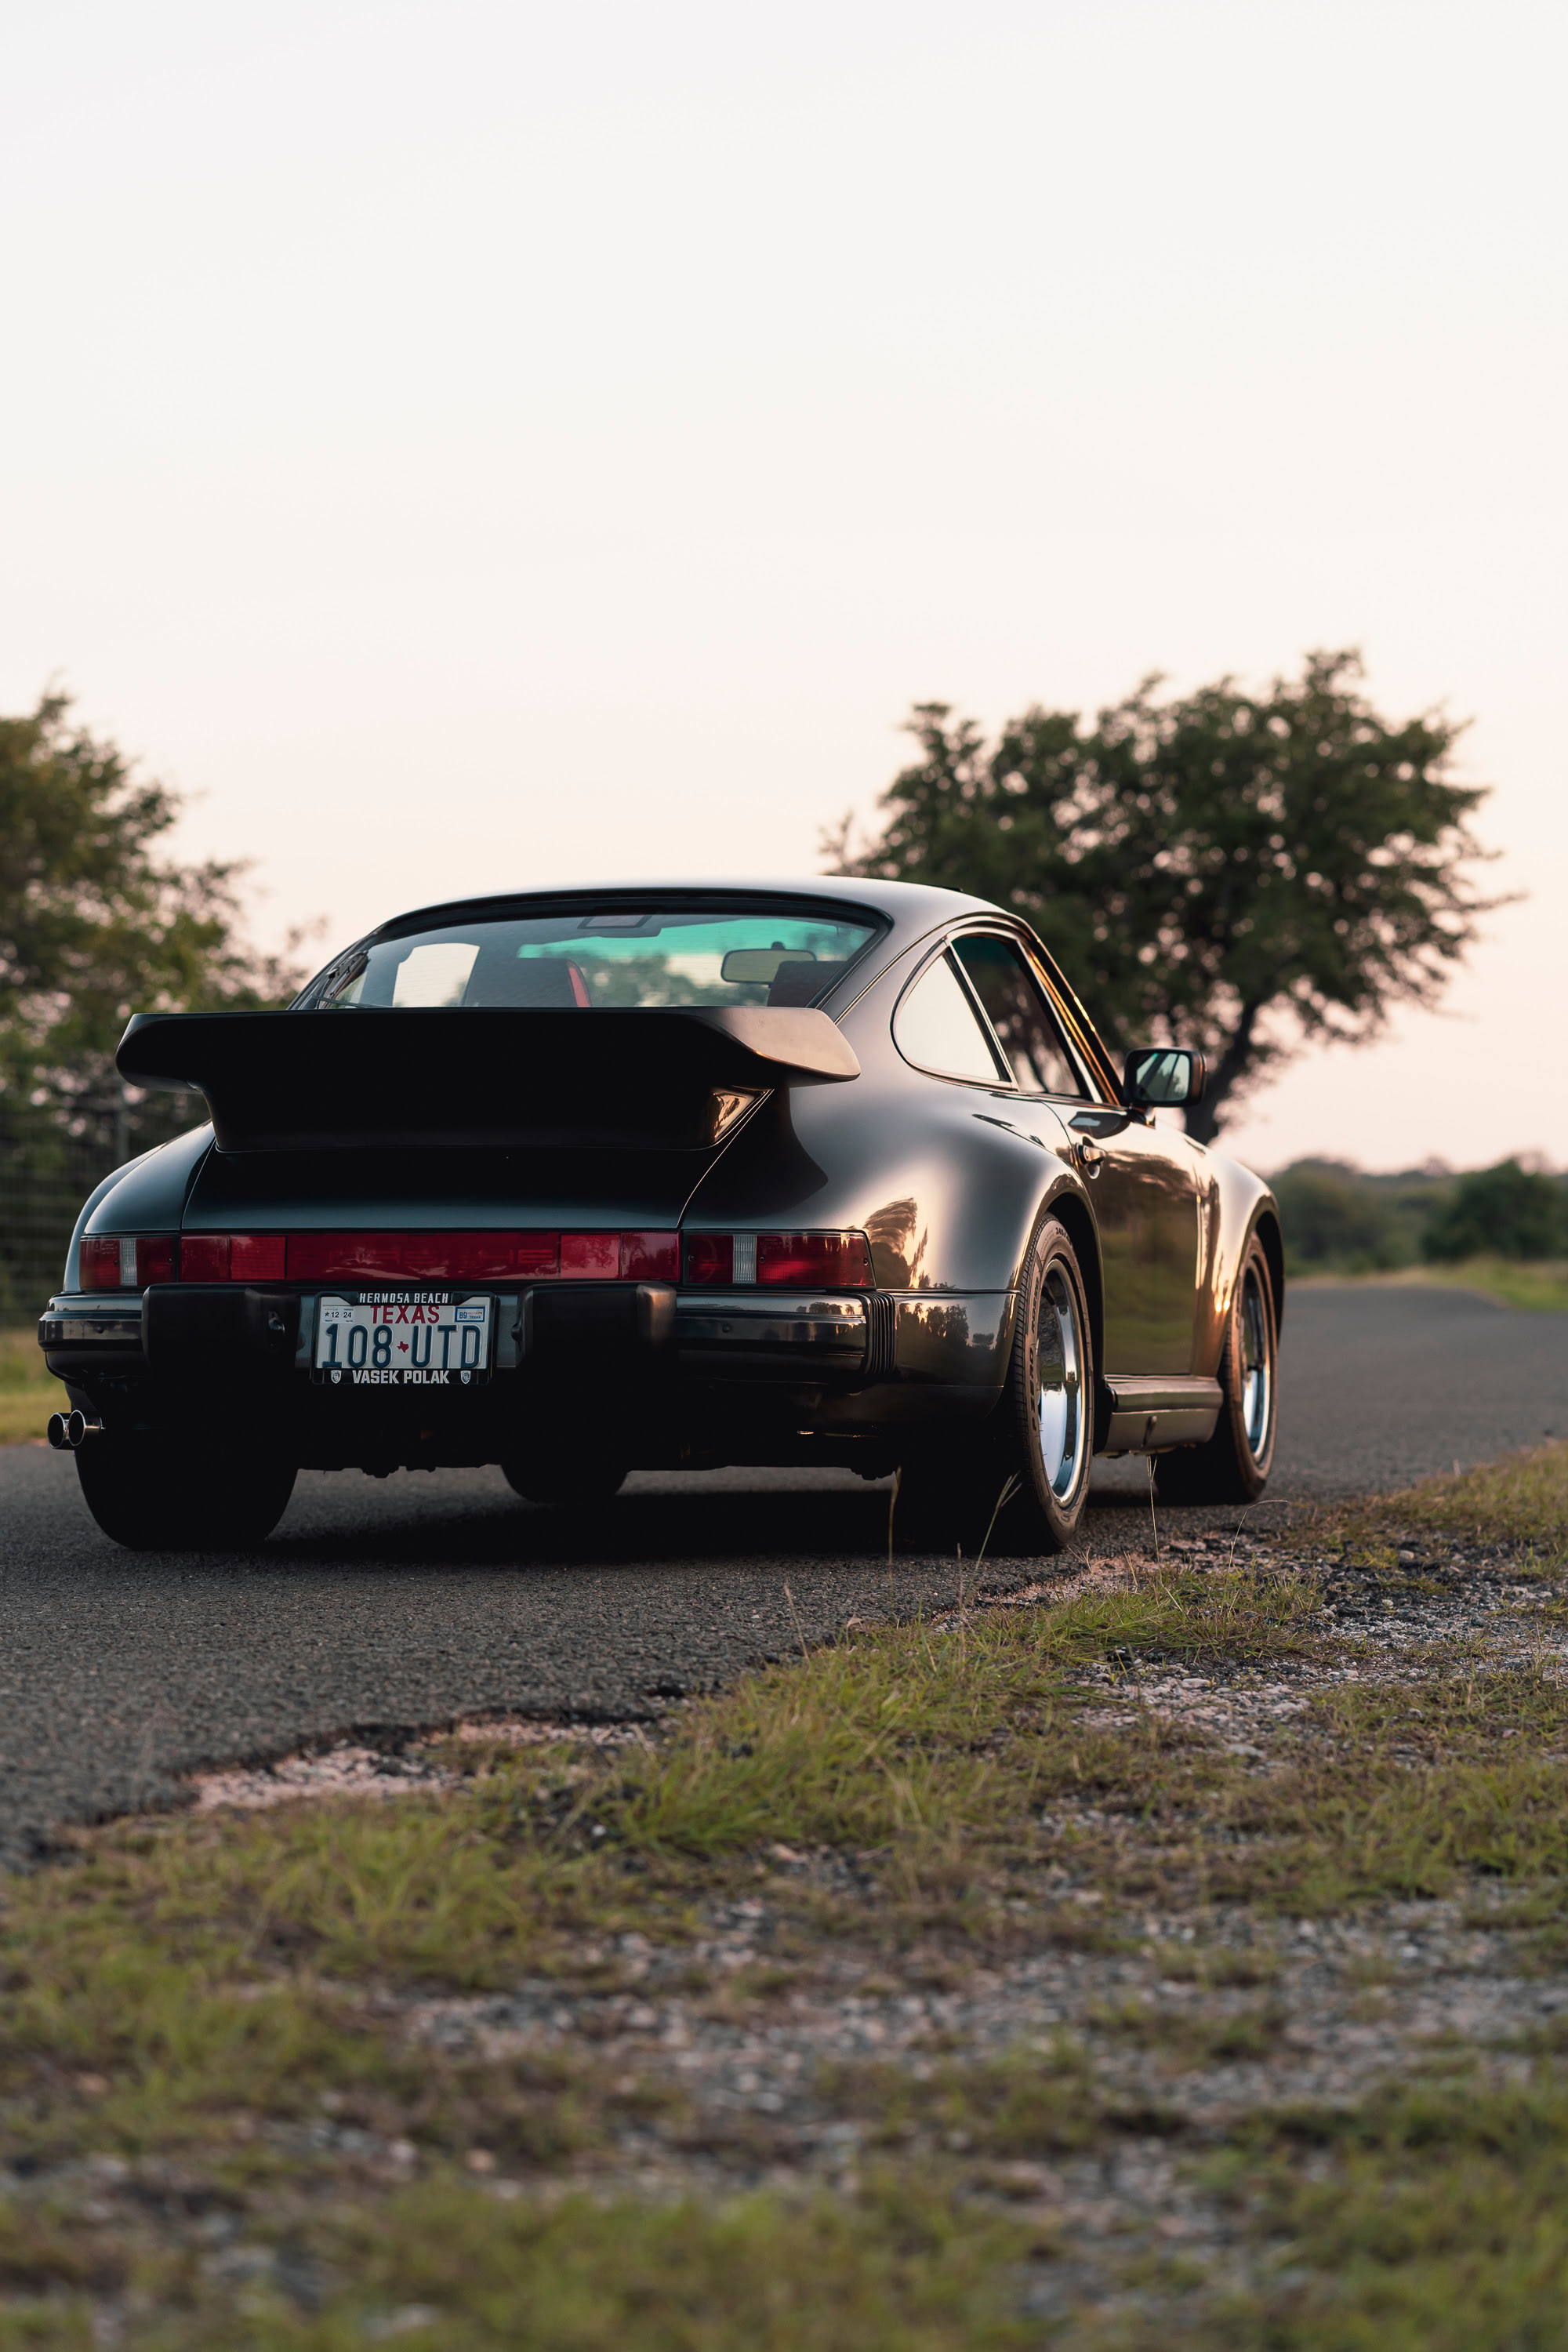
x,y
716,1330
730,1328
83,1321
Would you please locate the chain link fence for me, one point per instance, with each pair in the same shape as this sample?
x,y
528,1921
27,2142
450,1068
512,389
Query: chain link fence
x,y
48,1165
46,1174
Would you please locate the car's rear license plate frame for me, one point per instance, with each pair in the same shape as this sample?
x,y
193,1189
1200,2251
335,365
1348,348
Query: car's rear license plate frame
x,y
404,1339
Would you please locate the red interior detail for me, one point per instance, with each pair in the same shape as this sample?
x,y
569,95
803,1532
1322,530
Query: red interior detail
x,y
709,1257
579,986
834,1261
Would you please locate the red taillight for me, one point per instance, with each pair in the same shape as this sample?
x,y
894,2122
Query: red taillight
x,y
709,1257
126,1261
801,1261
154,1259
100,1264
793,1261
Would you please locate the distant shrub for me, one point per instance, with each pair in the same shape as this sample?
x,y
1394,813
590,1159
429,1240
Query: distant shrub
x,y
1333,1216
1502,1212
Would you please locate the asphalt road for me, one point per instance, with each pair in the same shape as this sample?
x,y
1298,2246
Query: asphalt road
x,y
397,1604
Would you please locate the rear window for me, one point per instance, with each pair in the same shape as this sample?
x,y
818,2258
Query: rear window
x,y
612,956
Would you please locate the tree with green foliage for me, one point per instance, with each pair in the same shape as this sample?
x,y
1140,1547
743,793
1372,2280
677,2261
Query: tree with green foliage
x,y
1241,872
1508,1210
1332,1216
94,923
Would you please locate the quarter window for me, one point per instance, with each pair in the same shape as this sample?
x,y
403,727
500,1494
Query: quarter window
x,y
1039,1062
935,1027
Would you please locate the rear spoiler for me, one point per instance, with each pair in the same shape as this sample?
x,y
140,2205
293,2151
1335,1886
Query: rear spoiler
x,y
482,1076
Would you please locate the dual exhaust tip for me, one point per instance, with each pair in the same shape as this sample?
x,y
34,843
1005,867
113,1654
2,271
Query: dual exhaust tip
x,y
66,1429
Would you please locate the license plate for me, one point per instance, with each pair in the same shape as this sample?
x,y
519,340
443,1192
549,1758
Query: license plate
x,y
401,1340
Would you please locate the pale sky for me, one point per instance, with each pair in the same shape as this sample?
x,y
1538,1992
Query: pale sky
x,y
482,447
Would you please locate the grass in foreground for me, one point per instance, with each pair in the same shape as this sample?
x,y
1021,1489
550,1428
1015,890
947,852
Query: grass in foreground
x,y
1521,1500
30,1391
1433,2218
191,1998
445,2267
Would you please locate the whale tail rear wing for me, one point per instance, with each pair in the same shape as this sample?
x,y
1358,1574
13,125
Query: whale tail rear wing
x,y
366,1079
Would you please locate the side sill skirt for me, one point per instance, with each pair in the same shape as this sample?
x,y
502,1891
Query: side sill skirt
x,y
1179,1409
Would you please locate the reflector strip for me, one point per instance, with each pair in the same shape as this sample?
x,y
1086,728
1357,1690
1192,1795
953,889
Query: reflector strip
x,y
422,1257
253,1257
131,1261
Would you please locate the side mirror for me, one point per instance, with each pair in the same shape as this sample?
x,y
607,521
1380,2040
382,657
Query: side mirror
x,y
1161,1077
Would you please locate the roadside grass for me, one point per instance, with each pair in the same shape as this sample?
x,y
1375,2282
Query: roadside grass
x,y
899,2268
30,1391
196,1994
1433,2218
1408,1791
1519,1500
163,1954
190,1967
445,2268
1540,1284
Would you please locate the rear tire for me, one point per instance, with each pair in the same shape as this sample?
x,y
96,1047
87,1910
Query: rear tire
x,y
1041,1433
1234,1466
149,1495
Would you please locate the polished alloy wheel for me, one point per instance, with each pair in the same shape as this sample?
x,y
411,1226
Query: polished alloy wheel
x,y
1256,1363
1059,1355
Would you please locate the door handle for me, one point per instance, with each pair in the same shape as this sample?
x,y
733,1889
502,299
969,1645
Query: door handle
x,y
1091,1159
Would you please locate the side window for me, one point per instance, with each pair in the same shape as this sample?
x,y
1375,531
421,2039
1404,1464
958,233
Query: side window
x,y
935,1028
1039,1061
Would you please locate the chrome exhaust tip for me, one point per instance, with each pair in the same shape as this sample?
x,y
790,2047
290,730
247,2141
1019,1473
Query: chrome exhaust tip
x,y
65,1431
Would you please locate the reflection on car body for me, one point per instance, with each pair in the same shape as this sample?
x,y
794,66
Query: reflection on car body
x,y
822,1173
